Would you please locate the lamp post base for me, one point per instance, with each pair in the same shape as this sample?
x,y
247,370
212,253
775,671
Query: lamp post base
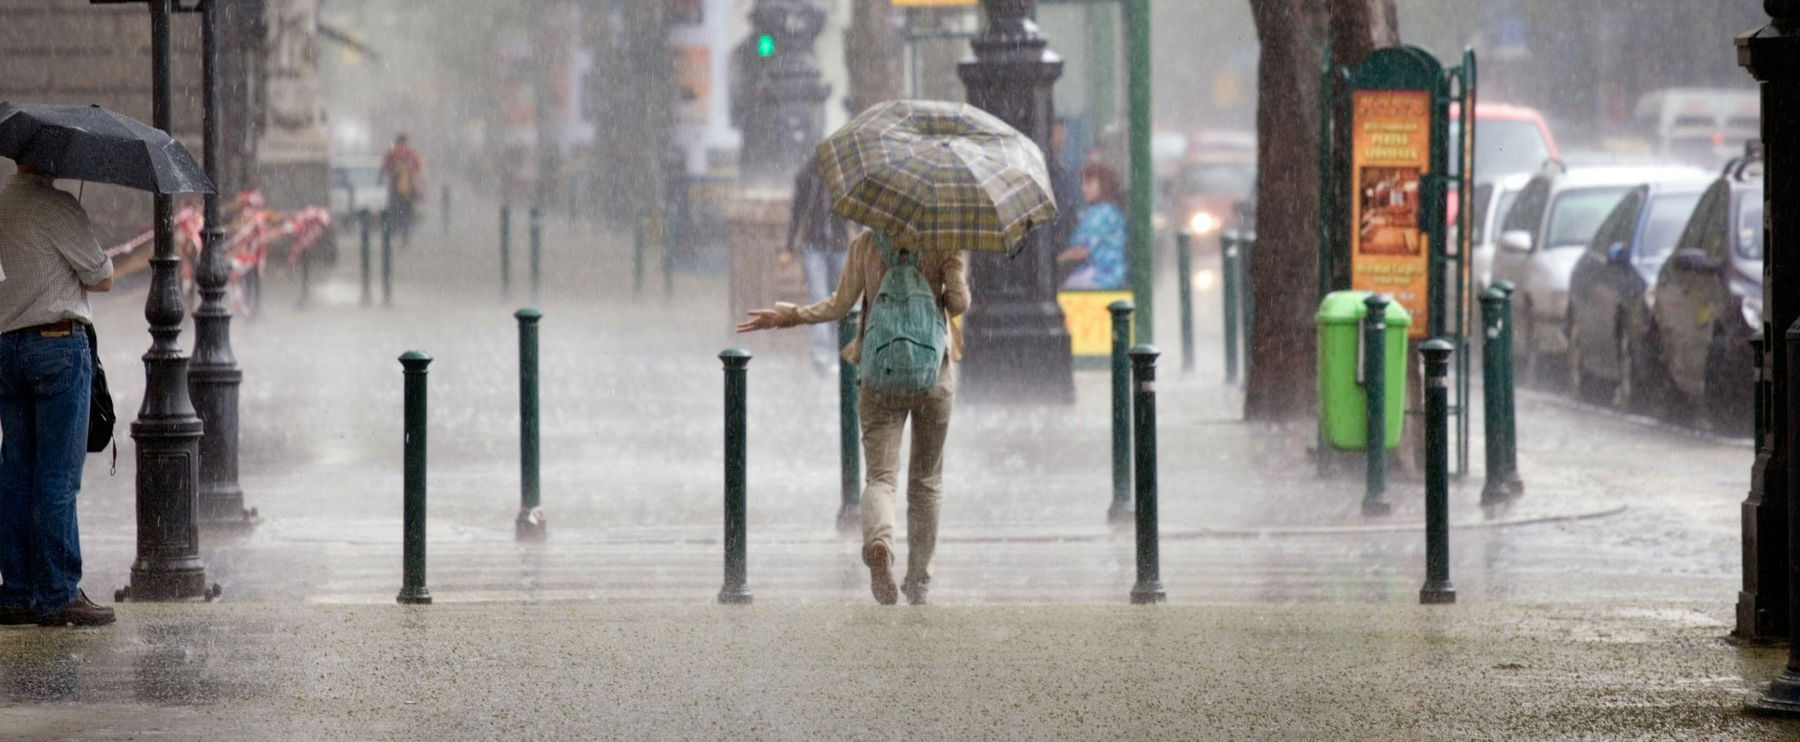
x,y
1148,593
1782,699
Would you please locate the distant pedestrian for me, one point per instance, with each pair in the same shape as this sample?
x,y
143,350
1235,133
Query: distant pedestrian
x,y
401,169
824,241
1096,251
884,414
50,260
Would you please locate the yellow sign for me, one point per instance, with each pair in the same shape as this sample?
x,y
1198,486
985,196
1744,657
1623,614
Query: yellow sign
x,y
1391,155
1089,321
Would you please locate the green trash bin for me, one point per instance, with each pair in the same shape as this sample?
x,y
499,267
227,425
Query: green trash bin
x,y
1342,400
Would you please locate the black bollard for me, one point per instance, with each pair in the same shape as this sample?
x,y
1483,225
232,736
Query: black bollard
x,y
1149,588
1782,697
849,431
1229,275
444,209
530,525
505,251
305,260
387,259
1509,420
1375,501
1120,510
412,583
537,251
367,295
665,236
638,235
1184,262
1437,589
735,591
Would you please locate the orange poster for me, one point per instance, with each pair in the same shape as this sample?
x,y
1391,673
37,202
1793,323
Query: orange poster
x,y
1391,154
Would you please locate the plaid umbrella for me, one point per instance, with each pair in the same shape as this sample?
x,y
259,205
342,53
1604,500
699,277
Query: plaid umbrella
x,y
937,175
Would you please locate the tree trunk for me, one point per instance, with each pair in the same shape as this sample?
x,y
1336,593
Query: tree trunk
x,y
874,54
1283,274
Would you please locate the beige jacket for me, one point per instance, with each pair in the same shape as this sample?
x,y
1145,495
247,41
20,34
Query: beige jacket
x,y
945,270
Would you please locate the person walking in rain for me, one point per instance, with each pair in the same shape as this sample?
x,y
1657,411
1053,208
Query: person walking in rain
x,y
824,240
50,260
400,169
884,414
930,180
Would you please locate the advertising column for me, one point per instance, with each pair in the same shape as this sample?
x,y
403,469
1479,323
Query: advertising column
x,y
1390,252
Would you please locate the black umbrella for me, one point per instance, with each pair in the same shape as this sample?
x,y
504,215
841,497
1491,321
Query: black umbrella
x,y
92,143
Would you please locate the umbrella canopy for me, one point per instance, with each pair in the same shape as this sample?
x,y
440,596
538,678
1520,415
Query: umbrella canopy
x,y
92,143
937,175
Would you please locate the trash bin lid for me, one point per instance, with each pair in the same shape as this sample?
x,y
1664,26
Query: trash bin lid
x,y
1347,308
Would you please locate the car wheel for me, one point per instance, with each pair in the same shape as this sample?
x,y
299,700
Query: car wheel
x,y
1729,389
1643,385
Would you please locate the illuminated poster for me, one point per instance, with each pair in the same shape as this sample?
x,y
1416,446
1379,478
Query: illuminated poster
x,y
1391,155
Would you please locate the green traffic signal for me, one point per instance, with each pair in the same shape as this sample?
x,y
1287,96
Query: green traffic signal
x,y
765,45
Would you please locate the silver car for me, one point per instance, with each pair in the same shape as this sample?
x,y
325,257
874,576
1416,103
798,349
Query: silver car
x,y
1493,200
1541,239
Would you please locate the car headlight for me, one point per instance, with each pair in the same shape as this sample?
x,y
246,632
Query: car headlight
x,y
1752,307
1203,223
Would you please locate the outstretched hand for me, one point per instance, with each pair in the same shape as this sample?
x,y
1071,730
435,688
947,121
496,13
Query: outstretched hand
x,y
761,319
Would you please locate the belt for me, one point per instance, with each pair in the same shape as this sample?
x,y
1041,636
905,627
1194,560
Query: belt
x,y
59,328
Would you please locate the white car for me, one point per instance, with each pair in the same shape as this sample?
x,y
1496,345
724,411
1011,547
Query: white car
x,y
356,186
1493,200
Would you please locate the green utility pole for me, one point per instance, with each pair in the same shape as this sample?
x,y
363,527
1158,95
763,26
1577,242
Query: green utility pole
x,y
1102,64
1143,182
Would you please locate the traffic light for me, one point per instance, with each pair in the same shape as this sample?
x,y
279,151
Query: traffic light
x,y
765,46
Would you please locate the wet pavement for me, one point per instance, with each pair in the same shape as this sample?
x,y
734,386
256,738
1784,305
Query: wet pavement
x,y
592,670
1631,523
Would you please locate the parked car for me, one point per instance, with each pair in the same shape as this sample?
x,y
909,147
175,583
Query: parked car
x,y
1543,235
1509,140
356,185
1709,299
1493,199
1611,292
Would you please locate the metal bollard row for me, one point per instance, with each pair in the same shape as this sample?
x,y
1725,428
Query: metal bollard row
x,y
387,258
367,296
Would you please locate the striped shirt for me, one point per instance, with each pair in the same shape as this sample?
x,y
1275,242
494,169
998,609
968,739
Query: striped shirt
x,y
47,253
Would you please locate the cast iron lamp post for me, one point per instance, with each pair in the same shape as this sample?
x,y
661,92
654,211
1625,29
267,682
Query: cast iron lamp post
x,y
1018,349
1772,55
167,431
213,376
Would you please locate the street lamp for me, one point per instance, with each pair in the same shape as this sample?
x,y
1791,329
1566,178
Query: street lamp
x,y
1018,344
1771,520
167,431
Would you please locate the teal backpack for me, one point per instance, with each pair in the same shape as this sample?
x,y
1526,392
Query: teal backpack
x,y
904,338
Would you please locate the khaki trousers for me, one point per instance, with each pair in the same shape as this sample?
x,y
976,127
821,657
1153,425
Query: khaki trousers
x,y
883,418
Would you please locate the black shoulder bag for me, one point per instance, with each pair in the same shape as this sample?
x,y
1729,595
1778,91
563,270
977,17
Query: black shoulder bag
x,y
100,406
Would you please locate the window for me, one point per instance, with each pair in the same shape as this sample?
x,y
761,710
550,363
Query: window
x,y
1668,214
1702,216
1528,208
1577,215
1750,225
1484,194
1616,230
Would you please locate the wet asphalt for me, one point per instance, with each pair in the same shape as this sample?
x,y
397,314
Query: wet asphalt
x,y
1293,614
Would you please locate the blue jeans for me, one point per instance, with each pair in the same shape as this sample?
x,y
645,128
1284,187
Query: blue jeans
x,y
45,383
823,270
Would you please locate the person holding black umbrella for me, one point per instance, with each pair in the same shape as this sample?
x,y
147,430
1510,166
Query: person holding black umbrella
x,y
50,261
